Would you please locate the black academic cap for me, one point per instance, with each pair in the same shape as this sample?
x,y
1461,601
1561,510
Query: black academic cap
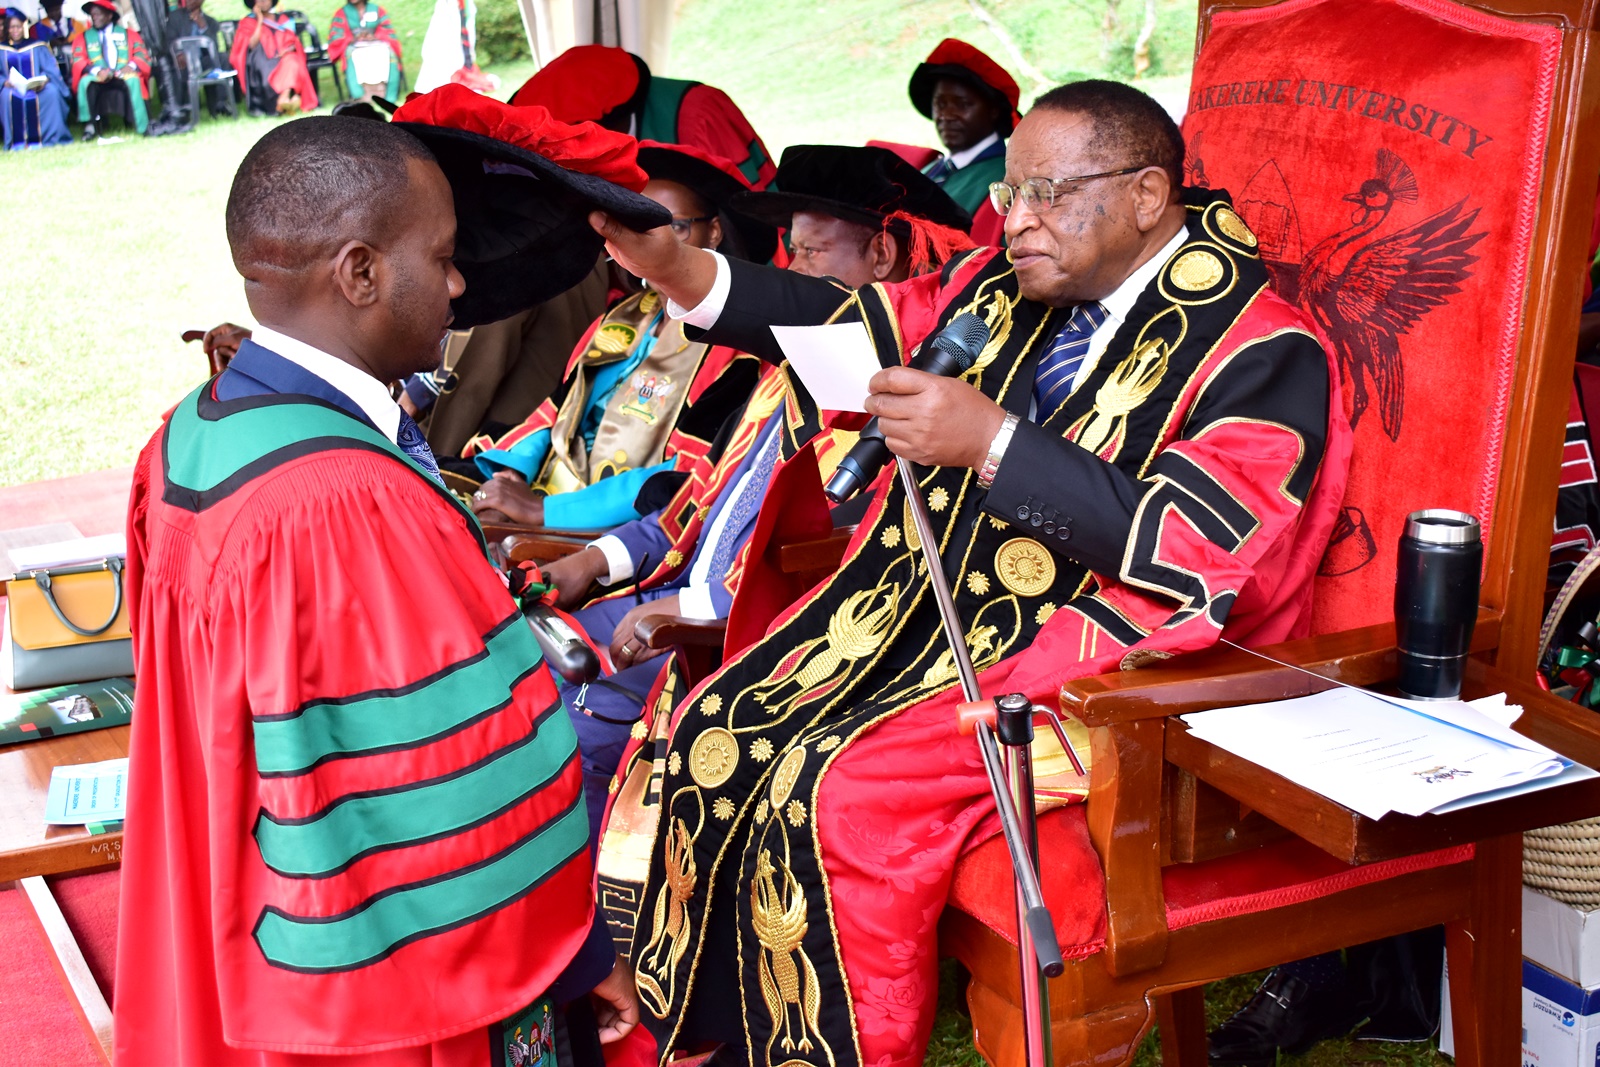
x,y
862,185
522,218
717,181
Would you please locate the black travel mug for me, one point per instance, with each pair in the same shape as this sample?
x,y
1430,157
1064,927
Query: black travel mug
x,y
1436,601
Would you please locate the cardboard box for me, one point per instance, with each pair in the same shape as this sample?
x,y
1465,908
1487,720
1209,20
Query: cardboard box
x,y
1560,1021
1561,938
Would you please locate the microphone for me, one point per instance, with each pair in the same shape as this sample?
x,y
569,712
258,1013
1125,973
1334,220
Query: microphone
x,y
563,648
951,352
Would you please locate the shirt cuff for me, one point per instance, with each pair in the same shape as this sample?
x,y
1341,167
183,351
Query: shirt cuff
x,y
617,559
705,314
694,602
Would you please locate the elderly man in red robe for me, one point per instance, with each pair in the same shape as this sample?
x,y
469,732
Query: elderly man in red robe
x,y
1143,459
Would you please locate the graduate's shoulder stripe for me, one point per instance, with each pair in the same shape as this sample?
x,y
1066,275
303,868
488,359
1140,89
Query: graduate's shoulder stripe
x,y
389,920
357,825
211,448
447,701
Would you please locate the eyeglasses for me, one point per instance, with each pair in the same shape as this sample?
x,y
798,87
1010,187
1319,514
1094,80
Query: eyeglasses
x,y
681,225
1040,193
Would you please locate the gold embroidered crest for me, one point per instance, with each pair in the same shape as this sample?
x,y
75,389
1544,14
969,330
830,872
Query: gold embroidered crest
x,y
1229,222
1025,566
797,814
786,774
722,808
978,582
614,338
1103,430
672,557
890,537
711,704
1197,271
1046,610
788,979
939,499
761,750
713,757
647,397
669,937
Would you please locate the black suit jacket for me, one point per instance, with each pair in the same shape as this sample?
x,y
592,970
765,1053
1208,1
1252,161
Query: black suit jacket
x,y
1046,486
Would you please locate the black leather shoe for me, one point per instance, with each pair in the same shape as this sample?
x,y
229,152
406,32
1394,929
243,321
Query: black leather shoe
x,y
89,131
1285,1015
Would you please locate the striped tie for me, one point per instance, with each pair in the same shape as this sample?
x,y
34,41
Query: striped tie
x,y
1053,382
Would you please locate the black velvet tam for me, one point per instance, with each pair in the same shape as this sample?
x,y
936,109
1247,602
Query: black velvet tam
x,y
855,184
522,221
665,163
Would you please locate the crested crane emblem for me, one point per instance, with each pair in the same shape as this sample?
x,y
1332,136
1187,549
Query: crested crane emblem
x,y
1367,292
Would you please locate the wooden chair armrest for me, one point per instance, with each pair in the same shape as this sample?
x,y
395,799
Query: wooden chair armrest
x,y
665,631
520,547
495,531
1124,816
824,554
1221,676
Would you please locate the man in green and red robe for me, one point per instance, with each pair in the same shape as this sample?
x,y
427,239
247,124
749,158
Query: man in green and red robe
x,y
110,70
614,87
355,825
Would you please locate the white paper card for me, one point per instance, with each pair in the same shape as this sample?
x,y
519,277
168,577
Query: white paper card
x,y
87,792
834,361
66,553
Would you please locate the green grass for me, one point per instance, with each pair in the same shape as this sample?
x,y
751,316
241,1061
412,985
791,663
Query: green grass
x,y
951,1044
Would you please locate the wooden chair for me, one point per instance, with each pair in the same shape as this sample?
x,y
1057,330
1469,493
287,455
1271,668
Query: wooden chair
x,y
1212,866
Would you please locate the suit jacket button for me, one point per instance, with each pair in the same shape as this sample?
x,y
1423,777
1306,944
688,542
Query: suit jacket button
x,y
1049,527
1022,513
1064,533
1035,518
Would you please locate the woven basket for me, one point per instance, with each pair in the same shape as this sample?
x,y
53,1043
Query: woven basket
x,y
1564,861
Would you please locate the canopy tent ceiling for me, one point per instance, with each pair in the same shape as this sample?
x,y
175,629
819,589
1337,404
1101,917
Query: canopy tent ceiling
x,y
643,27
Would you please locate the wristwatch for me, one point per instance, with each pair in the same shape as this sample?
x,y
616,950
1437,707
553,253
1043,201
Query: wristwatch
x,y
997,451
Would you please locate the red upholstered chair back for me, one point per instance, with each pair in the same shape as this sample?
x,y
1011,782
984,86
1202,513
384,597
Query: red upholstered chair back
x,y
1395,160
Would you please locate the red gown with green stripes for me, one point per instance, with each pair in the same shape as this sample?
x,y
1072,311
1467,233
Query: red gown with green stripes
x,y
354,819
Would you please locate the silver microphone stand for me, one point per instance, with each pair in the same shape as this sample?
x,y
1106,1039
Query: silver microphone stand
x,y
1011,782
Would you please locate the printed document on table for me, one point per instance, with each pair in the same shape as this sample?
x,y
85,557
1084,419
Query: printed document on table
x,y
1374,755
834,361
87,792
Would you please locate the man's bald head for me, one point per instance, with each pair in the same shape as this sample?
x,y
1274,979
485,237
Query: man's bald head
x,y
311,186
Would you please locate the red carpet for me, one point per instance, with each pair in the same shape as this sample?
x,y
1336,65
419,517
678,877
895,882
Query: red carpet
x,y
42,1029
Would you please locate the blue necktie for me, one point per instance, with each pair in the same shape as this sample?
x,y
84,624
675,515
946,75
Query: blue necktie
x,y
413,444
746,503
1052,383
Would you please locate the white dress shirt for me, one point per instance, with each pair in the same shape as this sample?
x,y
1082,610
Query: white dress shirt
x,y
368,394
967,155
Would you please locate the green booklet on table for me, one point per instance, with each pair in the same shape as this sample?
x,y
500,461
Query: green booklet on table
x,y
66,709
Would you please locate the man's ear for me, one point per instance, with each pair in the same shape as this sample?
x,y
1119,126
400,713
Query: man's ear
x,y
715,232
358,270
885,251
1152,193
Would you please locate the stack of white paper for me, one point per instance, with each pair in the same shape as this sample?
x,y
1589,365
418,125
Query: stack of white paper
x,y
1375,755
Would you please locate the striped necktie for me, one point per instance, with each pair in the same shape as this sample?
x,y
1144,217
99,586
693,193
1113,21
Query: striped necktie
x,y
1053,381
745,505
412,443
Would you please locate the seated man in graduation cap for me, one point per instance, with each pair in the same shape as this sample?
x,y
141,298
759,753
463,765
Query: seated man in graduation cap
x,y
355,832
973,104
110,70
862,211
1142,458
614,87
639,398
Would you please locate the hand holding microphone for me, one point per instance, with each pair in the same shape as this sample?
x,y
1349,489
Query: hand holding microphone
x,y
924,412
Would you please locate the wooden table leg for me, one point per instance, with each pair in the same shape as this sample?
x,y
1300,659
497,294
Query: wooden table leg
x,y
1182,1019
87,1000
1485,957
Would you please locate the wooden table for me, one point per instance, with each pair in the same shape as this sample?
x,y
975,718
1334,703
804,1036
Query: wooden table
x,y
29,849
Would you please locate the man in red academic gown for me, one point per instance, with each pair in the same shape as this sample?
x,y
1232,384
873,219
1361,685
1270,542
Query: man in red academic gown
x,y
1144,458
355,823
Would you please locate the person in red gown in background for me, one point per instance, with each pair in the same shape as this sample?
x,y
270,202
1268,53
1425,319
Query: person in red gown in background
x,y
271,62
